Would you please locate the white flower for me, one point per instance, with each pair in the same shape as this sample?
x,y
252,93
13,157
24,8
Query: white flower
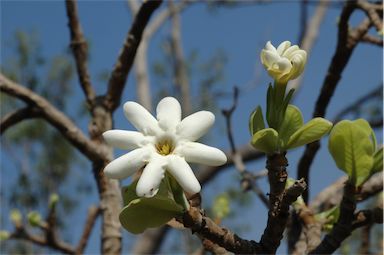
x,y
165,144
284,63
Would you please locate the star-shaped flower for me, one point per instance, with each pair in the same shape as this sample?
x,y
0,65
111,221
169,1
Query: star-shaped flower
x,y
163,144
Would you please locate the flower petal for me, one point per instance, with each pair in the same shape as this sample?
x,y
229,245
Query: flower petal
x,y
183,174
149,182
200,153
168,113
291,51
269,46
268,58
123,139
284,65
141,119
283,47
128,164
195,126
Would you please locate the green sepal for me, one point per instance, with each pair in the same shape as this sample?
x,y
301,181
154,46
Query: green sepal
x,y
377,161
141,213
256,121
310,132
293,121
351,147
266,140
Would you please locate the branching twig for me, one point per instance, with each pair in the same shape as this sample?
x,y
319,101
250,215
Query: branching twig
x,y
93,213
346,43
80,50
365,217
127,54
376,92
55,117
17,116
247,181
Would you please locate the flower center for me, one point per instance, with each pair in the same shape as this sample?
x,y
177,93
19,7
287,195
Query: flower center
x,y
165,146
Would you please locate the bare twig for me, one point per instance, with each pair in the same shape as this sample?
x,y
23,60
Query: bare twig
x,y
372,40
127,54
365,217
376,92
332,195
55,117
346,43
93,213
309,36
373,11
80,50
179,65
247,181
17,116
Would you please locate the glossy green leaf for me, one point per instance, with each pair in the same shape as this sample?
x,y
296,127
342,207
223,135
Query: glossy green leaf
x,y
351,148
256,120
377,161
266,140
141,213
293,120
310,132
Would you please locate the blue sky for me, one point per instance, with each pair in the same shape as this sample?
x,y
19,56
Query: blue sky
x,y
240,32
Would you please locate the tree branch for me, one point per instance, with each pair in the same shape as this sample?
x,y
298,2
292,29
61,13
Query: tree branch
x,y
343,228
55,117
17,116
127,54
248,182
346,43
93,213
80,50
207,229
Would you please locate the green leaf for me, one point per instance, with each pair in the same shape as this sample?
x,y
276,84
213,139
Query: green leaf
x,y
141,213
351,148
256,120
293,120
310,132
266,140
377,161
369,131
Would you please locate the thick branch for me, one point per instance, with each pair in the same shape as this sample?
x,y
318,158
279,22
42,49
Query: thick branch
x,y
55,117
346,43
127,54
80,50
206,228
343,228
17,116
